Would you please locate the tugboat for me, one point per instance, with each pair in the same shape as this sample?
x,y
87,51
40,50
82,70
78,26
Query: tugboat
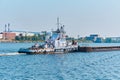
x,y
56,43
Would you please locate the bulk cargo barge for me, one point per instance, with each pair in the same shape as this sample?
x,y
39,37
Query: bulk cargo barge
x,y
98,49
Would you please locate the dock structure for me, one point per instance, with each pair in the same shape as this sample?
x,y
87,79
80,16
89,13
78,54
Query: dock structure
x,y
98,49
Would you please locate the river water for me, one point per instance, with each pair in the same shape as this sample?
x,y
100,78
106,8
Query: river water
x,y
71,66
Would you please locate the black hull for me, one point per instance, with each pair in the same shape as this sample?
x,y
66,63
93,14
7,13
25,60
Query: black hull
x,y
56,51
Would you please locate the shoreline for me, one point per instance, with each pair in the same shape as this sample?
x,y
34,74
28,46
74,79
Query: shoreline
x,y
11,41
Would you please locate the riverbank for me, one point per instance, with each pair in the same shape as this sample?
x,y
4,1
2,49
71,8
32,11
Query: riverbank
x,y
15,41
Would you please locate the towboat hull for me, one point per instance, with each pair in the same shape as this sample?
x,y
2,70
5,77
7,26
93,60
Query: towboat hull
x,y
48,51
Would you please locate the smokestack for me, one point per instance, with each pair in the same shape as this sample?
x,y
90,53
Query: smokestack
x,y
5,27
5,32
8,27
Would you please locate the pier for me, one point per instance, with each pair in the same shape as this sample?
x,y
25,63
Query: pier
x,y
98,49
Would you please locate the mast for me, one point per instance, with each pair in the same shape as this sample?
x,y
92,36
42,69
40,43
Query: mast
x,y
58,24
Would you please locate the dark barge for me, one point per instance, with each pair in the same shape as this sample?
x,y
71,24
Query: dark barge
x,y
98,49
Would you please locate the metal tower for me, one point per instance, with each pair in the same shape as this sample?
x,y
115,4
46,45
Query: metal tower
x,y
58,24
8,27
5,27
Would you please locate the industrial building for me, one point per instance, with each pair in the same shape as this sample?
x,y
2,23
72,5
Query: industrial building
x,y
8,35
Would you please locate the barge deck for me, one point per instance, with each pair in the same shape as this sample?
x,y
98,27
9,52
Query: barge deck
x,y
98,49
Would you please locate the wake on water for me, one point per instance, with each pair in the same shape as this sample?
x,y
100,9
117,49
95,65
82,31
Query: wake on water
x,y
11,54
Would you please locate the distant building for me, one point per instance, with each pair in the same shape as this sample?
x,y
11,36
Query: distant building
x,y
94,35
94,38
112,40
18,33
1,35
8,35
99,40
29,34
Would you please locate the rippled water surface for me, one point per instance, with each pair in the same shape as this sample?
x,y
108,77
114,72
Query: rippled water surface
x,y
72,66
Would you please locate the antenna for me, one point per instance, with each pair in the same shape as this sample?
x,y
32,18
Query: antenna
x,y
58,22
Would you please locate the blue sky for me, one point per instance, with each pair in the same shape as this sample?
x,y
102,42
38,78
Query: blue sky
x,y
80,17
